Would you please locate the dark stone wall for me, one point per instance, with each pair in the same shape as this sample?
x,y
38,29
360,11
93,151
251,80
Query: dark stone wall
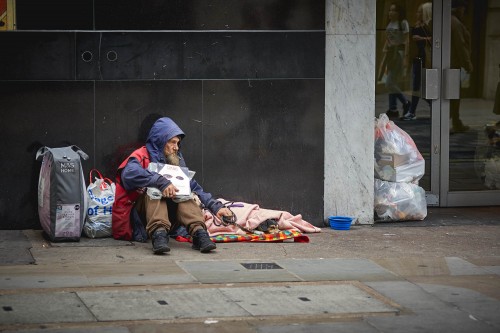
x,y
243,79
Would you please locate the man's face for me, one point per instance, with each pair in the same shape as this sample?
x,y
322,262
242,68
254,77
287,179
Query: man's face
x,y
172,146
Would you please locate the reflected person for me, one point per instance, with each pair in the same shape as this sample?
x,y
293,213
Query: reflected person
x,y
395,59
421,35
460,58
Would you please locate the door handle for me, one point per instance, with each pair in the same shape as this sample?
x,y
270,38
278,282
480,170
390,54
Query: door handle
x,y
430,83
451,83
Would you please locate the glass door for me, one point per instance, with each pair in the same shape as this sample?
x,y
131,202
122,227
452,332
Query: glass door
x,y
470,131
405,49
443,91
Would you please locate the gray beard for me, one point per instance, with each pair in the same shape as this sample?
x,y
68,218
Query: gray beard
x,y
173,159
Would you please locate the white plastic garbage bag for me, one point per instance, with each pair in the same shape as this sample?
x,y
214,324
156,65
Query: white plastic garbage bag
x,y
397,158
399,201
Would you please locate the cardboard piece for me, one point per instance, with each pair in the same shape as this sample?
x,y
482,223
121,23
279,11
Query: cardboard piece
x,y
404,173
393,160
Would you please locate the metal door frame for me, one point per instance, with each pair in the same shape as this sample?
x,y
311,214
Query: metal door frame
x,y
434,196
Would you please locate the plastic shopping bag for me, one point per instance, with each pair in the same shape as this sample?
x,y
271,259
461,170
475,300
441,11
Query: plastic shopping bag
x,y
492,173
399,201
101,195
397,158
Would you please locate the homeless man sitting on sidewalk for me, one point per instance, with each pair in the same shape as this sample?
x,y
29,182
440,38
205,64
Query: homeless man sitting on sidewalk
x,y
133,177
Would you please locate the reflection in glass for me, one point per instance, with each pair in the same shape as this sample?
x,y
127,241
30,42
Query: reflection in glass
x,y
412,22
474,151
474,163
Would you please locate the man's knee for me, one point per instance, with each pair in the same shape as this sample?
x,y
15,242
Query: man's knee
x,y
190,208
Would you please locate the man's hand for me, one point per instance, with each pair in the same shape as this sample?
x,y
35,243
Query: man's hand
x,y
170,191
224,212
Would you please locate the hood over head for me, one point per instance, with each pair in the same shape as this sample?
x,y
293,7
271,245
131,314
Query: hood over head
x,y
162,130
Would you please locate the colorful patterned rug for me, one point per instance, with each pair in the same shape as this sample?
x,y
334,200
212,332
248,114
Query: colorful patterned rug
x,y
296,236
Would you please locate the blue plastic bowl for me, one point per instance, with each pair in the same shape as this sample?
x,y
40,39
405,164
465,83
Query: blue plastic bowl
x,y
340,222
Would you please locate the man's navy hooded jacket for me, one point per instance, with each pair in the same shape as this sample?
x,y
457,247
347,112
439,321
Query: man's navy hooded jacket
x,y
134,176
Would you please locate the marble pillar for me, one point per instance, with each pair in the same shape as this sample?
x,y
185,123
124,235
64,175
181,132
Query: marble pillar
x,y
349,108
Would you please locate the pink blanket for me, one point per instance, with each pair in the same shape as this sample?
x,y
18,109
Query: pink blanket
x,y
251,215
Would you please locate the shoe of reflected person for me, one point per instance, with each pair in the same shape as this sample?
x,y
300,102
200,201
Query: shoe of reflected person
x,y
409,116
459,129
392,113
406,107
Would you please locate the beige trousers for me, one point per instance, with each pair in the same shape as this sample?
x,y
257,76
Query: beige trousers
x,y
158,213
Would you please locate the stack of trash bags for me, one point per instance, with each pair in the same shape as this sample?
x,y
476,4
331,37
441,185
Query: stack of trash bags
x,y
398,168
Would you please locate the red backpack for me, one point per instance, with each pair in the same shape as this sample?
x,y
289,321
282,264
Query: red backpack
x,y
124,200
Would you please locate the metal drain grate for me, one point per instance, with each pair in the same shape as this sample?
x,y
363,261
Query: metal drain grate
x,y
261,265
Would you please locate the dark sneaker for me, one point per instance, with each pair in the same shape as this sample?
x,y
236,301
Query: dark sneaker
x,y
406,107
160,241
202,241
392,114
459,129
408,116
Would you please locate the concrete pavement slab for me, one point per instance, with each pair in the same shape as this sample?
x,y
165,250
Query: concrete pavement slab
x,y
307,300
337,269
488,285
414,266
479,306
108,274
85,329
459,266
425,266
234,272
91,275
41,276
492,269
187,303
209,326
288,270
261,326
444,320
457,295
408,295
485,261
14,248
43,308
345,327
92,242
160,304
43,281
427,312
